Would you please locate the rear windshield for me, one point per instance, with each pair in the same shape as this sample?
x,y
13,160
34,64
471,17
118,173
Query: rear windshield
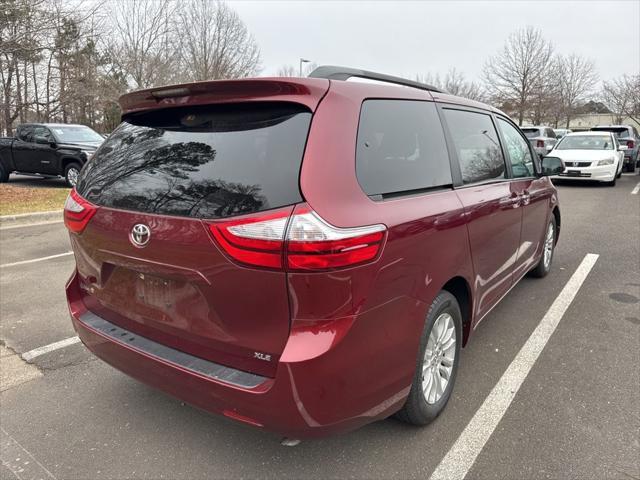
x,y
619,132
530,132
205,162
585,142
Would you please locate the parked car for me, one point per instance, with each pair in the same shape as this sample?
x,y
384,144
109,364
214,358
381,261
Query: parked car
x,y
590,156
561,132
48,149
239,248
626,135
542,138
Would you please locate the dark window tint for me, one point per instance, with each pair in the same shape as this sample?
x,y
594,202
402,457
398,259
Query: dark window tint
x,y
531,132
25,133
517,149
401,147
477,145
205,162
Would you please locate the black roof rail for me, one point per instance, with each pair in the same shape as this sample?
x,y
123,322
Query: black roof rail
x,y
344,73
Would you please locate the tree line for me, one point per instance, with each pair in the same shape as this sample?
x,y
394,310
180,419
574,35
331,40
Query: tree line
x,y
63,61
69,61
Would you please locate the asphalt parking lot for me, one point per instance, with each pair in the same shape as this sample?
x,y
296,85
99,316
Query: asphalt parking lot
x,y
576,414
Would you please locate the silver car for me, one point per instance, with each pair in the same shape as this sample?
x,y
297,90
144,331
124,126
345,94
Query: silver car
x,y
542,138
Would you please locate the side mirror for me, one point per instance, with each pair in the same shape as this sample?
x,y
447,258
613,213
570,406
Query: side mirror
x,y
551,166
622,148
40,139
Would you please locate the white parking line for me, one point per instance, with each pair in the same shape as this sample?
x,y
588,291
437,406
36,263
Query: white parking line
x,y
37,224
636,190
36,352
458,461
34,260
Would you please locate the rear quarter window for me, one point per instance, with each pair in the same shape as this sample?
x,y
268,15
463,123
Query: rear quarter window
x,y
208,162
400,148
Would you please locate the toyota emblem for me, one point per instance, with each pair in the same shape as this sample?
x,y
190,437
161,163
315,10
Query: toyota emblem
x,y
140,235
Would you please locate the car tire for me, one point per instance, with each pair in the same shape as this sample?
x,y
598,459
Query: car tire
x,y
4,175
439,358
612,183
71,173
548,249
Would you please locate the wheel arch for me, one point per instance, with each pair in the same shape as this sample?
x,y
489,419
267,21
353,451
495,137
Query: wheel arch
x,y
64,161
459,288
556,214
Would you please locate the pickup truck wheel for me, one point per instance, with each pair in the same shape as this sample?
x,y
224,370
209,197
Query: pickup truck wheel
x,y
71,173
4,175
437,362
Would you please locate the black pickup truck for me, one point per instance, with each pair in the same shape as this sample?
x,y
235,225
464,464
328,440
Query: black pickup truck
x,y
48,149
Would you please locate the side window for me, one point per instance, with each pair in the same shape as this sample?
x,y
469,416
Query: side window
x,y
25,134
41,132
477,145
517,149
401,147
550,133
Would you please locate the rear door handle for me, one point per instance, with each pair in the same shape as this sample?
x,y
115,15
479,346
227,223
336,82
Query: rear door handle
x,y
525,197
513,201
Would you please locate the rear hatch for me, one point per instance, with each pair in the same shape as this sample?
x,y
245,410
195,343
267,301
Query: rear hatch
x,y
174,171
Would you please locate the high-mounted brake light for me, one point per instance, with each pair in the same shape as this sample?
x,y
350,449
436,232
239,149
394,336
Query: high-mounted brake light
x,y
77,212
302,240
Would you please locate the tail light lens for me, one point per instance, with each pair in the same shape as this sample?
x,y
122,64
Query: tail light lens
x,y
313,244
630,144
301,241
77,212
256,240
540,144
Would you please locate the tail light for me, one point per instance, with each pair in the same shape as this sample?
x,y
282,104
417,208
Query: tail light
x,y
77,212
630,144
301,241
540,144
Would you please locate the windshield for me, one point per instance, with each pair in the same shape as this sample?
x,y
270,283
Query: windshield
x,y
585,142
208,162
68,134
530,132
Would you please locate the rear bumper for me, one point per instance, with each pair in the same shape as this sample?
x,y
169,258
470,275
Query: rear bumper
x,y
305,399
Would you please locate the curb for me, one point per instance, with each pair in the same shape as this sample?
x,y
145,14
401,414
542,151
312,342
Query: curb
x,y
30,218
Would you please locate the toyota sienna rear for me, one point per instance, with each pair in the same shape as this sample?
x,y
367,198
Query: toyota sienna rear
x,y
303,255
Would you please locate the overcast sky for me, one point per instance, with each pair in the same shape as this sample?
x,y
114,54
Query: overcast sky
x,y
409,37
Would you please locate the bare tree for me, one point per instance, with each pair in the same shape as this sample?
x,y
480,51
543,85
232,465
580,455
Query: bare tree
x,y
287,71
622,96
455,83
520,70
215,43
144,49
291,71
576,76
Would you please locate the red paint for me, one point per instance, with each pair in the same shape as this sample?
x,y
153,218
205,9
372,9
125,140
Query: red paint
x,y
344,341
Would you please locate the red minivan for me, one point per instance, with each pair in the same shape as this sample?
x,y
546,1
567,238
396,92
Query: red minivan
x,y
305,255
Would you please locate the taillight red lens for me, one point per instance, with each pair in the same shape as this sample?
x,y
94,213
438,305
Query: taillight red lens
x,y
540,143
77,212
313,244
304,239
256,240
630,144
